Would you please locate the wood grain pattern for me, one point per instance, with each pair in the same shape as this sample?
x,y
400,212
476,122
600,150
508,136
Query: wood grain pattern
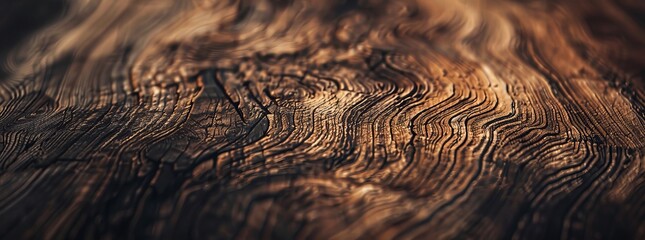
x,y
326,119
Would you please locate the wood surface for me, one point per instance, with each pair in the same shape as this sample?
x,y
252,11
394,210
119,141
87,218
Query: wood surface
x,y
289,119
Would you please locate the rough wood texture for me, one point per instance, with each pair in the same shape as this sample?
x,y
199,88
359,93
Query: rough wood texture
x,y
326,119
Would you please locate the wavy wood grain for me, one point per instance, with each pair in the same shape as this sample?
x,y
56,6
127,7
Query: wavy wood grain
x,y
326,119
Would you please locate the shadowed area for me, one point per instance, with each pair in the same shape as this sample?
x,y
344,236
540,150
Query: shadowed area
x,y
305,119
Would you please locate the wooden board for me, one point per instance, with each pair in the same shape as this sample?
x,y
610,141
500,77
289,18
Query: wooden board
x,y
323,119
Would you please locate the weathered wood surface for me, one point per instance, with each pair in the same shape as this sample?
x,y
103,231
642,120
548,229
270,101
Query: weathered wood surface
x,y
320,119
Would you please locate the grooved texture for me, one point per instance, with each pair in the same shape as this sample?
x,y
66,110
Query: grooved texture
x,y
326,119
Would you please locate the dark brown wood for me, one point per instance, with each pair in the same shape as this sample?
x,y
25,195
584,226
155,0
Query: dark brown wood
x,y
325,119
